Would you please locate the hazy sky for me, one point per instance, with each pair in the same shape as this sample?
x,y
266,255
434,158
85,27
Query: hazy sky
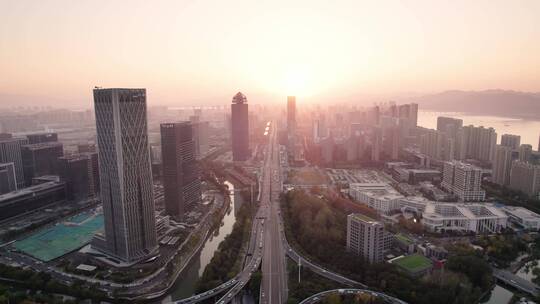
x,y
193,51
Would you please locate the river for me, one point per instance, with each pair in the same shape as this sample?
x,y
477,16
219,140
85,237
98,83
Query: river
x,y
186,281
527,129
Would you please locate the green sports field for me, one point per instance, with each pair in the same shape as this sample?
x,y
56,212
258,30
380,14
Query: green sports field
x,y
413,263
52,242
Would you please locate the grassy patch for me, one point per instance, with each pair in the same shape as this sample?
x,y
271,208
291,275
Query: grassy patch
x,y
413,263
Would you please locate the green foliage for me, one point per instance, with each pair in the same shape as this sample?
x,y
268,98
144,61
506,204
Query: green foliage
x,y
221,267
316,226
502,248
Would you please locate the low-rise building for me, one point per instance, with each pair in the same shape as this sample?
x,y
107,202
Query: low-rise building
x,y
32,198
379,196
477,218
523,217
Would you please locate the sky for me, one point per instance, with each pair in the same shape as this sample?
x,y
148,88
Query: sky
x,y
193,52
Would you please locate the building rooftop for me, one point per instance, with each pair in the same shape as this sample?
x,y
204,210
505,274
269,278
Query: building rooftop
x,y
522,212
363,218
27,191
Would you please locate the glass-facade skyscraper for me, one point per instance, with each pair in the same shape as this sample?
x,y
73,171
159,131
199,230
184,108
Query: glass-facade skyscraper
x,y
125,174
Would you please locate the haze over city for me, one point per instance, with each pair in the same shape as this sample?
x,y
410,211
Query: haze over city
x,y
200,52
270,152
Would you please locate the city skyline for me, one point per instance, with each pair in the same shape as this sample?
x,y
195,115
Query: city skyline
x,y
316,51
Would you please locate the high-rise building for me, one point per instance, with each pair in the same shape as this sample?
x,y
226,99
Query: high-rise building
x,y
391,142
74,171
366,237
291,115
432,144
8,181
525,177
40,159
510,140
125,176
463,180
181,182
525,152
448,124
376,142
319,128
502,164
479,142
38,138
240,128
200,136
10,152
410,112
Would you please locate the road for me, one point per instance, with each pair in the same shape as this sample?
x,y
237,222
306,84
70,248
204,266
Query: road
x,y
274,267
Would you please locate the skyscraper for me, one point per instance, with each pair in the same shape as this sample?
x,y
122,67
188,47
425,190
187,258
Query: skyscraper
x,y
525,177
511,141
463,180
10,152
502,164
525,152
125,176
448,124
479,142
38,138
240,127
181,183
291,115
8,182
40,159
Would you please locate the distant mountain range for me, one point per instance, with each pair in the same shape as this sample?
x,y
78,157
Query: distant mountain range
x,y
489,102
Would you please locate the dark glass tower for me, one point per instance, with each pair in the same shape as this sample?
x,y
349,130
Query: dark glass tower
x,y
181,182
240,128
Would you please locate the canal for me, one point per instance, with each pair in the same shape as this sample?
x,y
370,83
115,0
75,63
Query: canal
x,y
186,281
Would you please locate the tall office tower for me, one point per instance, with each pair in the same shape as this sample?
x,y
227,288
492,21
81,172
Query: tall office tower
x,y
376,141
366,237
525,152
200,136
479,142
319,128
125,176
38,138
354,147
181,183
502,164
391,142
410,112
74,171
40,159
93,172
525,177
463,180
512,141
240,128
8,182
291,115
327,150
449,125
373,116
432,143
10,152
